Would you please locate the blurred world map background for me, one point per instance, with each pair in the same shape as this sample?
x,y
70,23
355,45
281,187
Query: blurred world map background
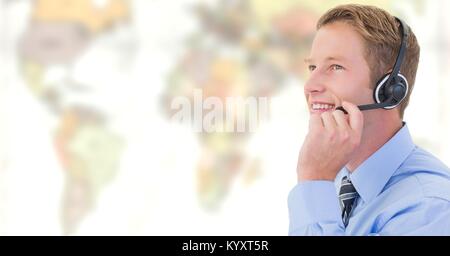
x,y
87,145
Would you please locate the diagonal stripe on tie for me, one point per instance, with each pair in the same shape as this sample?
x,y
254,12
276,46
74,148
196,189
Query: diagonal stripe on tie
x,y
347,197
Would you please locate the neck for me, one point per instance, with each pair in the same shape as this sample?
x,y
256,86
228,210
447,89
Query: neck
x,y
375,135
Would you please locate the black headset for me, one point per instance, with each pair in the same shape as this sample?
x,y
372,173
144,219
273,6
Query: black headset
x,y
393,87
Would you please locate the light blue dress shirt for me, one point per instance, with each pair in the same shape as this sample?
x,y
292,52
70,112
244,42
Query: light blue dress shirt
x,y
403,190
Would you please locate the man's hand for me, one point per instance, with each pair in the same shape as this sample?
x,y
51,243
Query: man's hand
x,y
329,144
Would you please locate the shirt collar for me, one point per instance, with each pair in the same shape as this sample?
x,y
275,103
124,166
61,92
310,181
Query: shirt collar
x,y
372,175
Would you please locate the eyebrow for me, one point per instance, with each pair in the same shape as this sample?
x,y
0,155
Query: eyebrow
x,y
339,58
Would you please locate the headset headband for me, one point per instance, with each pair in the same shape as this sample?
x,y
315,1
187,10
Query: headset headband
x,y
401,52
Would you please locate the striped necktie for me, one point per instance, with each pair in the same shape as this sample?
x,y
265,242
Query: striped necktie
x,y
347,196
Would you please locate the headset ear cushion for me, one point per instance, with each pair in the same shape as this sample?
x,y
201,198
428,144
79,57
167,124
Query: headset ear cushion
x,y
398,89
379,95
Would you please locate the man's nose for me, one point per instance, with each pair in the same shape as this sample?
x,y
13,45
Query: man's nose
x,y
315,83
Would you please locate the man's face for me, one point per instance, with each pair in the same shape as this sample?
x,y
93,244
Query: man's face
x,y
338,70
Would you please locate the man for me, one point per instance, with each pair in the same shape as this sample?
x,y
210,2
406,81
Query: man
x,y
360,173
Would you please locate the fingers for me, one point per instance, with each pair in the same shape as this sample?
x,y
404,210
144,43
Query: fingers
x,y
315,122
341,120
355,116
337,119
328,121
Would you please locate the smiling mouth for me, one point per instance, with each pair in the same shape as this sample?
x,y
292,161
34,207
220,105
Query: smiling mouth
x,y
322,106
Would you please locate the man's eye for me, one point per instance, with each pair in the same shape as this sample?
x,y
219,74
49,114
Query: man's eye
x,y
336,67
311,67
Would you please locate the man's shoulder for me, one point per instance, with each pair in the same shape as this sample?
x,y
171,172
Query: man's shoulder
x,y
424,174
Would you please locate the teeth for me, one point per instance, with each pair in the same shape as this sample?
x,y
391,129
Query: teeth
x,y
316,106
